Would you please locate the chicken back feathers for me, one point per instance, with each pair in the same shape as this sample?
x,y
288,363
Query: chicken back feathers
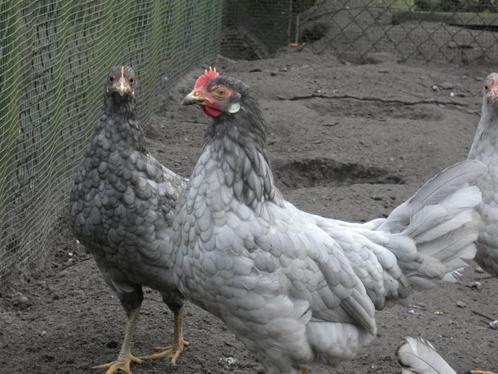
x,y
297,287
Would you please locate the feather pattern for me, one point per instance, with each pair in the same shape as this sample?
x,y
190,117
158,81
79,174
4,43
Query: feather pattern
x,y
434,191
418,356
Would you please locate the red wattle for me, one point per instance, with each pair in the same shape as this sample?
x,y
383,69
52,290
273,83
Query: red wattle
x,y
211,112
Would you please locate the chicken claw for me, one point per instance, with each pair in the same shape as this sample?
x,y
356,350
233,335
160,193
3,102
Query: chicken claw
x,y
121,364
170,352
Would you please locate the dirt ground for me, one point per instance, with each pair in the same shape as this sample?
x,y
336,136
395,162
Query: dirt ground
x,y
348,141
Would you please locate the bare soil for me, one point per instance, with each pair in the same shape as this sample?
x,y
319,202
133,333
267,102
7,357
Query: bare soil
x,y
348,141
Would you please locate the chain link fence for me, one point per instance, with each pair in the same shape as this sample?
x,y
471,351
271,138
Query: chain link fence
x,y
430,30
54,57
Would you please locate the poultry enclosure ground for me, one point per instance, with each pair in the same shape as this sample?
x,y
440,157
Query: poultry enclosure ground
x,y
348,141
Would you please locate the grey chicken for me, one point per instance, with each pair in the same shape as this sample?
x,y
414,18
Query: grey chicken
x,y
121,207
484,148
298,288
418,356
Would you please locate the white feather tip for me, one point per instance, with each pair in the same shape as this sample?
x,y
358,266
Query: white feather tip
x,y
418,356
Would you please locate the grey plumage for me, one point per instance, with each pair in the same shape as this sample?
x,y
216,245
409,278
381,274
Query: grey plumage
x,y
484,148
122,203
295,287
418,356
433,191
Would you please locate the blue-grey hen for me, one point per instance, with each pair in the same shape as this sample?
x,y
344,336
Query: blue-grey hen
x,y
485,148
298,288
122,206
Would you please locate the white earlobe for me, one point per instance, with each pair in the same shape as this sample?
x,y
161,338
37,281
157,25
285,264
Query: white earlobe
x,y
234,108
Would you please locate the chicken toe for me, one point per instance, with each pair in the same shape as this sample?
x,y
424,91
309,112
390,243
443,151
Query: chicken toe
x,y
171,352
122,364
481,372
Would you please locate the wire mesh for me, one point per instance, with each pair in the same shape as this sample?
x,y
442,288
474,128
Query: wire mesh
x,y
430,30
54,56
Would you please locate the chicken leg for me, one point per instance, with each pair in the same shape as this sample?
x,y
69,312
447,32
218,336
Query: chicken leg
x,y
125,358
172,352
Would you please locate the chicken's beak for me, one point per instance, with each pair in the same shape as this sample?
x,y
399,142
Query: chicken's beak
x,y
122,87
195,97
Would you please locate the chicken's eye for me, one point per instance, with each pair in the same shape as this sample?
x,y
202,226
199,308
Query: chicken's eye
x,y
111,78
219,91
131,80
486,87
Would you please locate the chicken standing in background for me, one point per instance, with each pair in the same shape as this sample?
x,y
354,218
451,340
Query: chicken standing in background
x,y
122,205
418,356
298,288
485,148
415,354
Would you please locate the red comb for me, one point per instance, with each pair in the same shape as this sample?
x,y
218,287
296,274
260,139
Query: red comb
x,y
209,75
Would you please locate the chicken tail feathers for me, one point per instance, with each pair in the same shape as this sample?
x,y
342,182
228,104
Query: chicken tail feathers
x,y
418,356
433,232
435,190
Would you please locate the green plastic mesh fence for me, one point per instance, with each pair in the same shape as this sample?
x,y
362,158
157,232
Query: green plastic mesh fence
x,y
54,56
430,30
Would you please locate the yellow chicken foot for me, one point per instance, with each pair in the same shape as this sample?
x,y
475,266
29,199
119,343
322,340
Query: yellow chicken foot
x,y
304,371
481,372
125,358
172,352
122,364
